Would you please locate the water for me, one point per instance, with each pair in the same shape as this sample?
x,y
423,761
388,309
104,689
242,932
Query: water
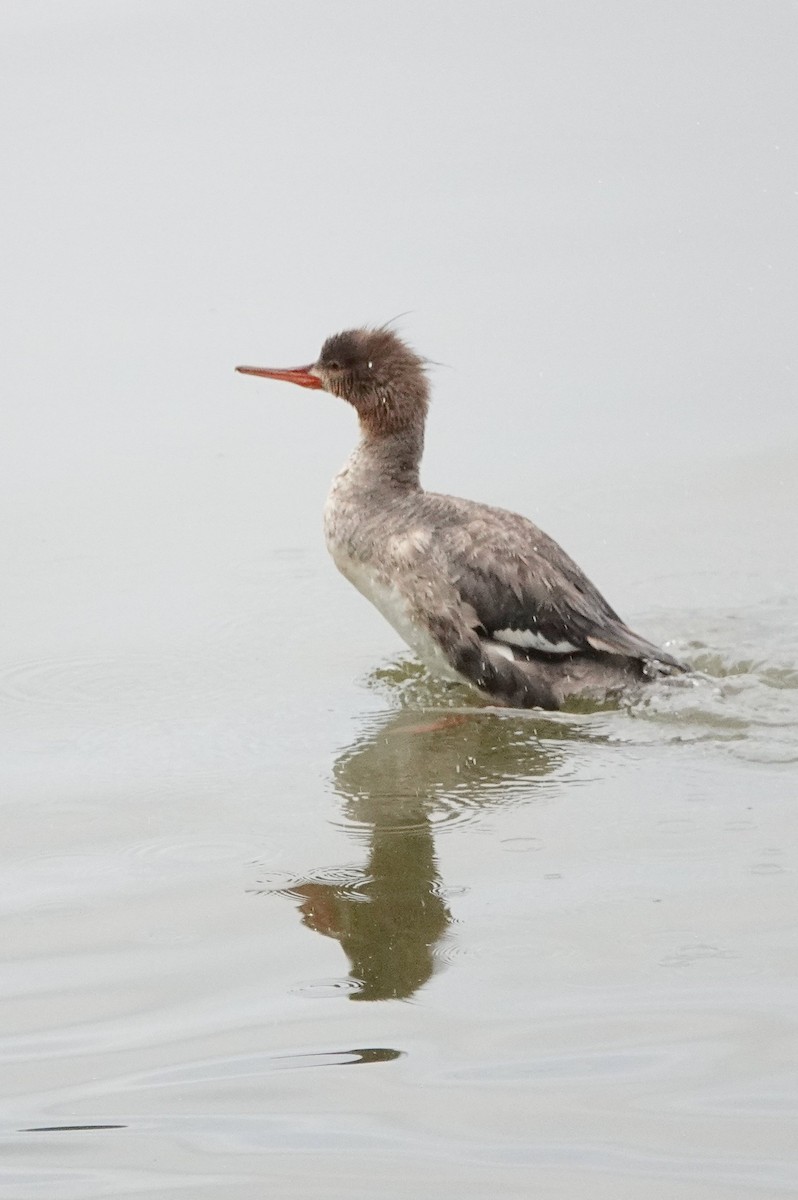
x,y
280,914
557,947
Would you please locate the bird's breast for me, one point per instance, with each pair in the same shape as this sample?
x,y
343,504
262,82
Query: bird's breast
x,y
386,566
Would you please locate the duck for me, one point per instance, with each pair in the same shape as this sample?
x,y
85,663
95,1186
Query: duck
x,y
480,594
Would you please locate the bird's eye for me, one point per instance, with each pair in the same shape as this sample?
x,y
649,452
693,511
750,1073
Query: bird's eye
x,y
334,365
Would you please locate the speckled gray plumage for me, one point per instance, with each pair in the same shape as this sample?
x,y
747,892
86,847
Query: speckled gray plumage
x,y
467,570
458,579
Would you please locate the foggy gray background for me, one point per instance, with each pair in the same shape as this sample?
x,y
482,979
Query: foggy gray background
x,y
588,210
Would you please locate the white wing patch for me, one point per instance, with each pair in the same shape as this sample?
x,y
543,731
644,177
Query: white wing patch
x,y
607,647
498,648
528,639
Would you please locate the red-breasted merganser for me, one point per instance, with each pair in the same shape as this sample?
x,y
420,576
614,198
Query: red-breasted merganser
x,y
480,594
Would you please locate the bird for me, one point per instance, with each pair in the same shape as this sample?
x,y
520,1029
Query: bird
x,y
480,594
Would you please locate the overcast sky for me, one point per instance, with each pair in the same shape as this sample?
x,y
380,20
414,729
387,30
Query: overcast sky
x,y
588,211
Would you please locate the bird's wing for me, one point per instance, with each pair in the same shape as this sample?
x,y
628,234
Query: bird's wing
x,y
527,593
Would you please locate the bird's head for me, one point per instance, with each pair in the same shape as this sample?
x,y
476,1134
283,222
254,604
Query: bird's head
x,y
374,370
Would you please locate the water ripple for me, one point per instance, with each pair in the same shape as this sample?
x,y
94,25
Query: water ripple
x,y
744,691
349,883
742,696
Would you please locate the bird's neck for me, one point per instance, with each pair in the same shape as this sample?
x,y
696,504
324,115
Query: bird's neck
x,y
388,461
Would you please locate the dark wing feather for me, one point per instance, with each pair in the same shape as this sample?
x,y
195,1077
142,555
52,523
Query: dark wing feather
x,y
516,577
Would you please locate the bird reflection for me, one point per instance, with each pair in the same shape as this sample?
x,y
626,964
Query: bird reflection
x,y
389,923
406,777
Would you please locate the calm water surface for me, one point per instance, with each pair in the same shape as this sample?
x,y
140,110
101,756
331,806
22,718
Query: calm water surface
x,y
272,918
